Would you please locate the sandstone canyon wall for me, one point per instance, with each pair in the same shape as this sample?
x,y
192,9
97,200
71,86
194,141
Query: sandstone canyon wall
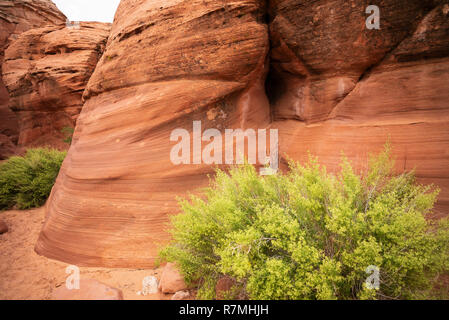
x,y
354,88
166,64
328,84
17,16
45,71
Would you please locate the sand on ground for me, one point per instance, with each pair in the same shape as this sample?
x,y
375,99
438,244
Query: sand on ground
x,y
24,275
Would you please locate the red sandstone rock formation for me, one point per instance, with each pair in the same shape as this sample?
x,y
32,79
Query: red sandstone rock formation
x,y
354,88
17,16
333,86
46,71
165,65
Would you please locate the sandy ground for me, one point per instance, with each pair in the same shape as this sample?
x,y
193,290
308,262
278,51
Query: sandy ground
x,y
24,275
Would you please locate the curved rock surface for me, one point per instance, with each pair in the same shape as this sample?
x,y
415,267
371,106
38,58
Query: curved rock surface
x,y
16,17
332,85
166,64
321,49
45,72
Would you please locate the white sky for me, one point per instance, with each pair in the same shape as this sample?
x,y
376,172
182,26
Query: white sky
x,y
88,10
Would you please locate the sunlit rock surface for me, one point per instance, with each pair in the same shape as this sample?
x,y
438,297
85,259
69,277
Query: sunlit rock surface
x,y
332,86
166,64
45,72
353,90
16,17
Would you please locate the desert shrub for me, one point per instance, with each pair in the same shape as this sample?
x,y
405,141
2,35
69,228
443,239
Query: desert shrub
x,y
26,181
68,134
309,234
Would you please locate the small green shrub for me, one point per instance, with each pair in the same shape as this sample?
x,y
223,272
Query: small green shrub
x,y
27,181
308,234
68,134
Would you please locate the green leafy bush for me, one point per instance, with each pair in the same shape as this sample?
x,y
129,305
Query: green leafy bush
x,y
308,234
68,134
27,181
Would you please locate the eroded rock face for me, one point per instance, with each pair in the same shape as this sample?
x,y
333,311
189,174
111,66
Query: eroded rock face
x,y
333,86
166,64
399,88
9,127
45,72
322,48
16,17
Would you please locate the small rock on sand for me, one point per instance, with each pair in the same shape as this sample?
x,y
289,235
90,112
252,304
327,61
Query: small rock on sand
x,y
181,295
171,279
3,227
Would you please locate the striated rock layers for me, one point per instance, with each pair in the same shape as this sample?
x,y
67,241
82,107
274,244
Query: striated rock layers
x,y
328,84
46,71
354,88
166,64
17,16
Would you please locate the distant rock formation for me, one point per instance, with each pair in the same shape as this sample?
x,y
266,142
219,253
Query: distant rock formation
x,y
45,72
17,16
328,84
